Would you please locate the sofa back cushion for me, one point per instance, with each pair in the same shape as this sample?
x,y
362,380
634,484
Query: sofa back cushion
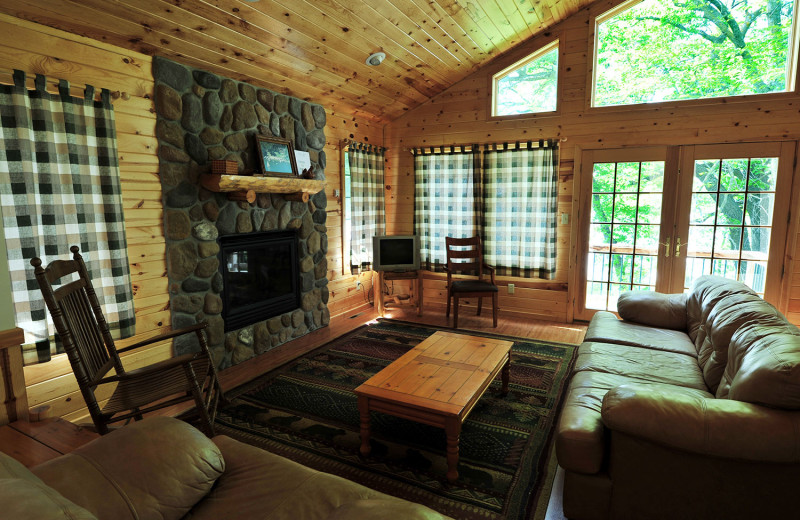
x,y
665,311
155,469
705,294
729,314
764,366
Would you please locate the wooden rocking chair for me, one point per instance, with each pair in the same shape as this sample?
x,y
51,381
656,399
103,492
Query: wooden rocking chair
x,y
91,351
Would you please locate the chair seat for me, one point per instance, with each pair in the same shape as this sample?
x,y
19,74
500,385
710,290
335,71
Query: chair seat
x,y
158,384
468,286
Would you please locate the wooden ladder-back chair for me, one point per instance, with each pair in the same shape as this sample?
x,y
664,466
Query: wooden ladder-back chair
x,y
465,255
91,351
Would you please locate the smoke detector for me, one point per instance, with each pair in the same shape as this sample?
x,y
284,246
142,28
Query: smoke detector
x,y
376,59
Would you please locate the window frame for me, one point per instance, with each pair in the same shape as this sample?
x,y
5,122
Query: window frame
x,y
548,46
601,13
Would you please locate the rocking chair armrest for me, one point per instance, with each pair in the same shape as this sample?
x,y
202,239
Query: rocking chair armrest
x,y
162,337
489,268
153,369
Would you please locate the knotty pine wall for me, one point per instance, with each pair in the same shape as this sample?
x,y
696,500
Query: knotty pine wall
x,y
59,55
461,115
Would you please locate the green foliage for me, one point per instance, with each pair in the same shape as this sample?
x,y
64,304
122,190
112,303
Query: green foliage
x,y
531,88
661,50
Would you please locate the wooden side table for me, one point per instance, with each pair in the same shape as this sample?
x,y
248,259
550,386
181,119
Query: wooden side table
x,y
384,276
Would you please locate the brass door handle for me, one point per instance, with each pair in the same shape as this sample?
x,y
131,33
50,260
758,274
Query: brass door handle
x,y
678,247
666,247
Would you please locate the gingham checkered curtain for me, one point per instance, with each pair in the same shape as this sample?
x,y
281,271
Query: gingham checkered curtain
x,y
520,206
446,201
59,186
366,198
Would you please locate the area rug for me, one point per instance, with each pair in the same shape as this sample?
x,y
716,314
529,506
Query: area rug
x,y
307,411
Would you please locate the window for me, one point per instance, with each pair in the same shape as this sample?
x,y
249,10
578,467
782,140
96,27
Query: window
x,y
364,205
507,194
528,86
665,50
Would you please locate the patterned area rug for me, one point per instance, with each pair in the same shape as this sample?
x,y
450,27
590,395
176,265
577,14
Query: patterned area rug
x,y
307,411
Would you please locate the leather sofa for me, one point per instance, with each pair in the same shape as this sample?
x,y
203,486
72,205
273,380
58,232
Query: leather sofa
x,y
162,468
687,407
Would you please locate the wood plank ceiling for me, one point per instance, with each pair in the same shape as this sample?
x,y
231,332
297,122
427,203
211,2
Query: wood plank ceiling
x,y
314,49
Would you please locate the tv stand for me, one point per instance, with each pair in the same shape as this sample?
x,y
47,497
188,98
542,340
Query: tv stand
x,y
416,299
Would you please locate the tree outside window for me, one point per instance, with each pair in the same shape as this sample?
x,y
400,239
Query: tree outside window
x,y
664,50
528,86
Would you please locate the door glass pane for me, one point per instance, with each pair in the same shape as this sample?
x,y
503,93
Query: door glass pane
x,y
623,233
731,219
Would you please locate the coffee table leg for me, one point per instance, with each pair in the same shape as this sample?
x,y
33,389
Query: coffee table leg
x,y
363,408
505,374
453,431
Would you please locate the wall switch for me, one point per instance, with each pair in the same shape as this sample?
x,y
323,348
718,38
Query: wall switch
x,y
335,194
565,218
511,288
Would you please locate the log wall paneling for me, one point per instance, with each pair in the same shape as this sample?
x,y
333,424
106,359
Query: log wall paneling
x,y
33,48
459,115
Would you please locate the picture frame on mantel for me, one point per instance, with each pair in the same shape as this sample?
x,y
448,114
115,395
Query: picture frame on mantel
x,y
277,156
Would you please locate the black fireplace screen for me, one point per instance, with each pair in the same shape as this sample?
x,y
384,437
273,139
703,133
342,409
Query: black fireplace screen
x,y
260,277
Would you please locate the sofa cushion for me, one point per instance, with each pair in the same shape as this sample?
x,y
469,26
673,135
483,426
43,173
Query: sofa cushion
x,y
764,366
730,313
261,485
665,311
24,495
580,437
704,295
640,363
606,328
156,469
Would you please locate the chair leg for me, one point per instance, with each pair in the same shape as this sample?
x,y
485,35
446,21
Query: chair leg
x,y
455,311
447,314
494,310
480,305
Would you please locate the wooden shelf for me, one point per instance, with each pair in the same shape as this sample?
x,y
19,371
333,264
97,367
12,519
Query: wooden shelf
x,y
226,183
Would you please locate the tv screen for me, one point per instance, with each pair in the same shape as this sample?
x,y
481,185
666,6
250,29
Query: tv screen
x,y
395,253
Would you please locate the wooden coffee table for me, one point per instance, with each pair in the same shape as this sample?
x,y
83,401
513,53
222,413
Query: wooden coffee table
x,y
437,382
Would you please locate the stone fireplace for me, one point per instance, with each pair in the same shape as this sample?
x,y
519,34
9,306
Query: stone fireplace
x,y
200,117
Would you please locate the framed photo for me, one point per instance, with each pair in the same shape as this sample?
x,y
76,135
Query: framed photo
x,y
277,156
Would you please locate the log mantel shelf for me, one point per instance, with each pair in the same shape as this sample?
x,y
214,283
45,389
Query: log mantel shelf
x,y
246,186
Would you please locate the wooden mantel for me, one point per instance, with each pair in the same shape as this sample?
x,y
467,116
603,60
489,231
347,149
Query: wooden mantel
x,y
246,186
12,378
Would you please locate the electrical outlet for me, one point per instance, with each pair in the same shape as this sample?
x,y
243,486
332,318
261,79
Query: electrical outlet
x,y
358,284
511,288
565,218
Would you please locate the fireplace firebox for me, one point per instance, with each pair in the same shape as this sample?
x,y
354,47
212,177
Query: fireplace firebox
x,y
260,276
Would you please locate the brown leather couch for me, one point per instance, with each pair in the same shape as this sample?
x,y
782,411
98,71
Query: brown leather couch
x,y
688,407
164,469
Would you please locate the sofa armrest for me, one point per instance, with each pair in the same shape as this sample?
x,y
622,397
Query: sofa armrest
x,y
667,311
714,427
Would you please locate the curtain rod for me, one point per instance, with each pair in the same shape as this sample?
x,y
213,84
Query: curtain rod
x,y
468,147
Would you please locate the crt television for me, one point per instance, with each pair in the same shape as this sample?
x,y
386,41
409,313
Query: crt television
x,y
395,253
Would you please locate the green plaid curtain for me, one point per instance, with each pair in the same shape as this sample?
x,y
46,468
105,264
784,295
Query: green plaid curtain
x,y
446,201
520,206
59,186
366,198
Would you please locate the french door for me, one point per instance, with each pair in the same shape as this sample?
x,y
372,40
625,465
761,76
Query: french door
x,y
657,218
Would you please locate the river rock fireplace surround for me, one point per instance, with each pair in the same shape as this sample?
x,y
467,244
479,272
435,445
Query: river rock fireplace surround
x,y
200,117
